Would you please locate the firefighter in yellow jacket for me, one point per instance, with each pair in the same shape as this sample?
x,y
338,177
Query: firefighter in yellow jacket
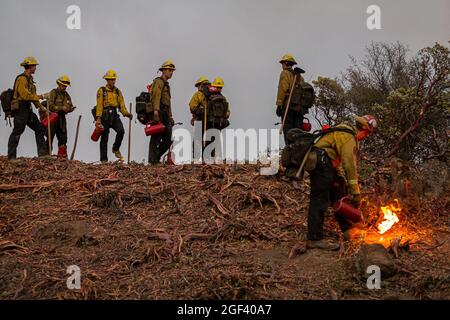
x,y
294,116
109,101
23,96
198,103
197,107
59,101
161,111
217,113
333,150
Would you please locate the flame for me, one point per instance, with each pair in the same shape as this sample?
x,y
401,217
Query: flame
x,y
389,217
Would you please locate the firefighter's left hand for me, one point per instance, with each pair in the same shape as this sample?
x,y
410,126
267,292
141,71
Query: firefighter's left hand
x,y
279,111
68,109
199,111
356,200
172,122
129,115
43,109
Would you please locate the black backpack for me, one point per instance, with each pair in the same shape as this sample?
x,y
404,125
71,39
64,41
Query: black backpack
x,y
141,107
6,98
308,97
216,111
300,144
303,97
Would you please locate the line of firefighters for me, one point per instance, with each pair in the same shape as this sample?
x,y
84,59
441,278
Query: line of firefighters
x,y
334,149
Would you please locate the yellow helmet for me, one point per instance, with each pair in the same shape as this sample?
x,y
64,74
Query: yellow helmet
x,y
110,75
167,65
201,80
64,81
218,83
288,58
367,122
29,61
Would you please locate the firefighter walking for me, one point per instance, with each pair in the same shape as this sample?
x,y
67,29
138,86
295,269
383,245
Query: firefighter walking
x,y
289,93
161,111
24,95
109,101
335,149
60,102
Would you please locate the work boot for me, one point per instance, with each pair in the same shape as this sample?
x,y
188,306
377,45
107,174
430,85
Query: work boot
x,y
62,152
323,245
118,154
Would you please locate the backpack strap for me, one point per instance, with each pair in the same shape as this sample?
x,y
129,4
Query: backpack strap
x,y
336,129
116,90
14,85
320,133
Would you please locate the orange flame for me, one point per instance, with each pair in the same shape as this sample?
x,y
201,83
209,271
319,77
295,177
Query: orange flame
x,y
389,217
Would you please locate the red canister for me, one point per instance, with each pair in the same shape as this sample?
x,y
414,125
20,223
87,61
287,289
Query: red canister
x,y
346,210
306,125
153,128
52,118
97,133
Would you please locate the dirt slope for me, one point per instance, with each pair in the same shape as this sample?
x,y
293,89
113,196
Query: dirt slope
x,y
188,232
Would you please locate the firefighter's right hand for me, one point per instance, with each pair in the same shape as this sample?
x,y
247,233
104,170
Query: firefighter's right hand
x,y
98,122
156,116
356,200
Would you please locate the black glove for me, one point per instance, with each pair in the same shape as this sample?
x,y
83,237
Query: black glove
x,y
199,113
356,200
279,111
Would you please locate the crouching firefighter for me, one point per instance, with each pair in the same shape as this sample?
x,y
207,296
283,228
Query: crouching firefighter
x,y
294,97
336,147
60,102
109,101
23,95
160,110
217,113
197,107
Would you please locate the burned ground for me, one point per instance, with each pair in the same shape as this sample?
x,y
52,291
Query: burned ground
x,y
194,232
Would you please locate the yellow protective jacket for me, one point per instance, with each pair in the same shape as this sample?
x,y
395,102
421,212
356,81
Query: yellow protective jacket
x,y
198,100
59,100
25,91
284,86
342,147
110,98
160,96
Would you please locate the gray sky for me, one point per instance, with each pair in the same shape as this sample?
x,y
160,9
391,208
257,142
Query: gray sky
x,y
239,40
